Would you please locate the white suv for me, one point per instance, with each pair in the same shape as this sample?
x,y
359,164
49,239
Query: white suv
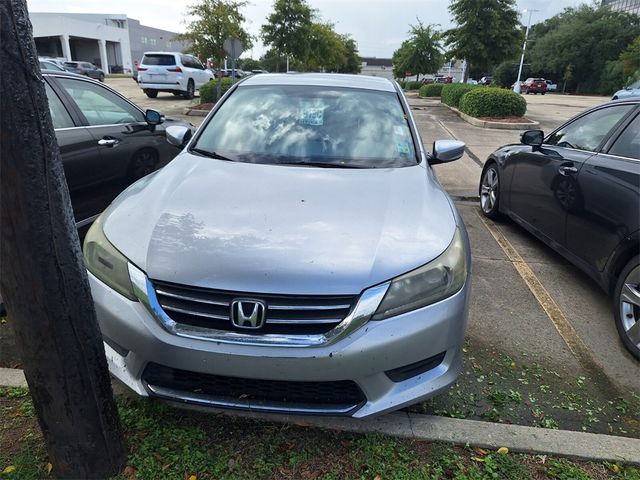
x,y
172,72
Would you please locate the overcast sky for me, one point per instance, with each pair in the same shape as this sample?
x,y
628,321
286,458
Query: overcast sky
x,y
379,26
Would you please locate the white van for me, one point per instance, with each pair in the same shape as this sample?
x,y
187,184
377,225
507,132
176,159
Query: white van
x,y
172,72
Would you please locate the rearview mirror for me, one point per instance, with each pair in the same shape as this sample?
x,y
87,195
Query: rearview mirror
x,y
446,151
535,138
153,117
178,135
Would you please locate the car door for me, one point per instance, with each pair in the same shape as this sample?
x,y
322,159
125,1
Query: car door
x,y
77,147
609,196
124,141
544,184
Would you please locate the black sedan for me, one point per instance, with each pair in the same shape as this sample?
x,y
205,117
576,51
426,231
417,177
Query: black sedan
x,y
578,190
106,141
85,68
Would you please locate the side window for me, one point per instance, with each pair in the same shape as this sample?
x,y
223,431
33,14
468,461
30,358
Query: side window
x,y
628,143
59,114
185,61
195,63
587,132
99,105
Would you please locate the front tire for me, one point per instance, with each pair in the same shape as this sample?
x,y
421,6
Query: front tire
x,y
490,192
101,77
151,93
191,90
626,305
143,163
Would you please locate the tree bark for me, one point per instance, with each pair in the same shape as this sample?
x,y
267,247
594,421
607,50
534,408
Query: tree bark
x,y
42,275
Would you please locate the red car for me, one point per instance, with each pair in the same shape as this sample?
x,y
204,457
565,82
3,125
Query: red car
x,y
534,85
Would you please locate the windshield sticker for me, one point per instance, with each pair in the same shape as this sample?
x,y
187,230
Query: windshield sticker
x,y
311,114
403,148
399,131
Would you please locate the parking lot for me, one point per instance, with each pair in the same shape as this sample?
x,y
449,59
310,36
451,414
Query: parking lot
x,y
542,347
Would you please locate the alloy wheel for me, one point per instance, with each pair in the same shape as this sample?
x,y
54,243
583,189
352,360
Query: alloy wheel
x,y
630,306
489,190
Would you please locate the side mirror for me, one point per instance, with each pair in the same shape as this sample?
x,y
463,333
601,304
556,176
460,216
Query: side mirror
x,y
153,117
446,151
535,138
178,135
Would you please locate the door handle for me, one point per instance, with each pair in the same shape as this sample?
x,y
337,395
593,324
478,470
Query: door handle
x,y
108,142
567,170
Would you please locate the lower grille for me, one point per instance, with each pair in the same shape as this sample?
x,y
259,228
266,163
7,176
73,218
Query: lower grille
x,y
285,314
334,398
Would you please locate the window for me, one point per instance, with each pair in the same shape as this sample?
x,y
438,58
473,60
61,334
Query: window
x,y
152,41
99,105
144,40
628,144
588,131
59,114
158,59
345,127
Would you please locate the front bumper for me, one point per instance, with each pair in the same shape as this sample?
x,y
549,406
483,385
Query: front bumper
x,y
134,339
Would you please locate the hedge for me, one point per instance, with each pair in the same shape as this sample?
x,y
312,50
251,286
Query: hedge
x,y
431,90
453,92
209,91
493,102
412,85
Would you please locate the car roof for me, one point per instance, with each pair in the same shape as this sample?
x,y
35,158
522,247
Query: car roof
x,y
165,53
321,80
61,73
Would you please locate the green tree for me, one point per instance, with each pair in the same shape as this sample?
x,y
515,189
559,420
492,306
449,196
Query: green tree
x,y
213,22
249,64
487,32
630,59
352,63
421,53
327,51
288,29
588,38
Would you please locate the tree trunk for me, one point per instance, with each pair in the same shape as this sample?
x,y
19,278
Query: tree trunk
x,y
42,274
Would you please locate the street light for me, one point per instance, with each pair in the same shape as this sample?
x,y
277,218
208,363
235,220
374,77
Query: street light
x,y
516,87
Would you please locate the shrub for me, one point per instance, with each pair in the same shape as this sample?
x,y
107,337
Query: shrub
x,y
209,90
453,92
493,102
431,90
412,85
402,83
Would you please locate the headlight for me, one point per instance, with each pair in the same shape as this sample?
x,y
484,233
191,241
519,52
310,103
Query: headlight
x,y
428,284
105,262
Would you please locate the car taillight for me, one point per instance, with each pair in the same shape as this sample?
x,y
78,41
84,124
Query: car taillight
x,y
141,69
175,69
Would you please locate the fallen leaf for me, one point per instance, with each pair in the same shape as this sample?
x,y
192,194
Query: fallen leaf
x,y
480,452
503,450
301,424
513,364
615,468
193,477
130,472
377,477
48,468
477,459
9,469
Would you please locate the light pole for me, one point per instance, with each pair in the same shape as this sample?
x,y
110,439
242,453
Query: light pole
x,y
516,87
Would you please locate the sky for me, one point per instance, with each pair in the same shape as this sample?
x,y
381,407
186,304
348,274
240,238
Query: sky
x,y
378,26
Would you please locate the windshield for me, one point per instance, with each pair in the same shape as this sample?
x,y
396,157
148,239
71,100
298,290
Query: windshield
x,y
158,59
295,124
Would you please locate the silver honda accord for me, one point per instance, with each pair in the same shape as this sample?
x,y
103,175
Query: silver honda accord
x,y
298,256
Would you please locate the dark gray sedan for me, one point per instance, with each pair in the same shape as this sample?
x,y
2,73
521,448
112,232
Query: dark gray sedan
x,y
578,190
85,68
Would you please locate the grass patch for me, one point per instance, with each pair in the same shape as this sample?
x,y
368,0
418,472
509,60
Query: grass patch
x,y
167,443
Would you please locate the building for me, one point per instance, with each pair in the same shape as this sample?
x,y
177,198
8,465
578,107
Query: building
x,y
377,67
111,41
629,6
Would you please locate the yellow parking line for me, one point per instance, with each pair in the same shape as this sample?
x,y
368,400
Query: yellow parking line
x,y
550,307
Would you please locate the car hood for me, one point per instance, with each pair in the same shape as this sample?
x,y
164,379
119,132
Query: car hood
x,y
280,229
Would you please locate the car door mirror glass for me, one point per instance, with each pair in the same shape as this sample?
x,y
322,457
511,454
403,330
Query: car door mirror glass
x,y
534,138
447,151
153,117
178,135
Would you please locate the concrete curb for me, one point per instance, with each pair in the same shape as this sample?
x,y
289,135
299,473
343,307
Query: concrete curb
x,y
195,113
490,124
531,440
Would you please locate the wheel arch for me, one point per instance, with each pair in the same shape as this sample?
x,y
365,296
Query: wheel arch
x,y
628,248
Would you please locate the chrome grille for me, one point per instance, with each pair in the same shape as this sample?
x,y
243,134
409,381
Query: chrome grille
x,y
286,314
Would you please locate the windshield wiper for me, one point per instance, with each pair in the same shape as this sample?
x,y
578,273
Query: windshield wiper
x,y
209,154
320,164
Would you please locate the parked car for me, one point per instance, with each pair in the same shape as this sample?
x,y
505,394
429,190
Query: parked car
x,y
48,65
488,80
298,256
85,68
57,61
106,141
172,72
258,71
226,72
578,190
428,80
534,85
443,79
551,87
471,81
632,90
